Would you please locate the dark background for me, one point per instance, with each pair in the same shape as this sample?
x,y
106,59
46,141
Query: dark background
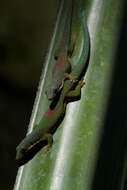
x,y
25,32
111,168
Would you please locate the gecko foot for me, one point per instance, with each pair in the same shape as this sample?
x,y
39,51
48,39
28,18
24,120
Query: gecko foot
x,y
47,148
81,83
70,77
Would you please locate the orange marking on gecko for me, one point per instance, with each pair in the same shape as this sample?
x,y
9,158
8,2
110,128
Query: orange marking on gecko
x,y
61,61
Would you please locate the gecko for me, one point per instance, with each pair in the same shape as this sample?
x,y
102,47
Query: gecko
x,y
42,133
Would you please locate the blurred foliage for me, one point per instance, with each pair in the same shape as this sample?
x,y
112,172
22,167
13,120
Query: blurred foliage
x,y
25,32
25,29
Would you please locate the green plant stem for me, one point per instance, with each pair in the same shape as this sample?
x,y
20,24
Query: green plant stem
x,y
70,163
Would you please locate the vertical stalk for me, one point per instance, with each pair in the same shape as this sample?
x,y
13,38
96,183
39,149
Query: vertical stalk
x,y
70,163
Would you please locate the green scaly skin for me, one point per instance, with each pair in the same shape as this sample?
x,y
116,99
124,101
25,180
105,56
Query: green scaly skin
x,y
62,67
42,133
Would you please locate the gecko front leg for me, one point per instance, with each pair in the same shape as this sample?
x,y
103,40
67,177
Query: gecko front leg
x,y
49,139
75,94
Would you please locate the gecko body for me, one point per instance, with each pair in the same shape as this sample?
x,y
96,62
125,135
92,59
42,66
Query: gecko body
x,y
42,134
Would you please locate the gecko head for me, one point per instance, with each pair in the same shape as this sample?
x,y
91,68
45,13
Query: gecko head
x,y
21,153
27,149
